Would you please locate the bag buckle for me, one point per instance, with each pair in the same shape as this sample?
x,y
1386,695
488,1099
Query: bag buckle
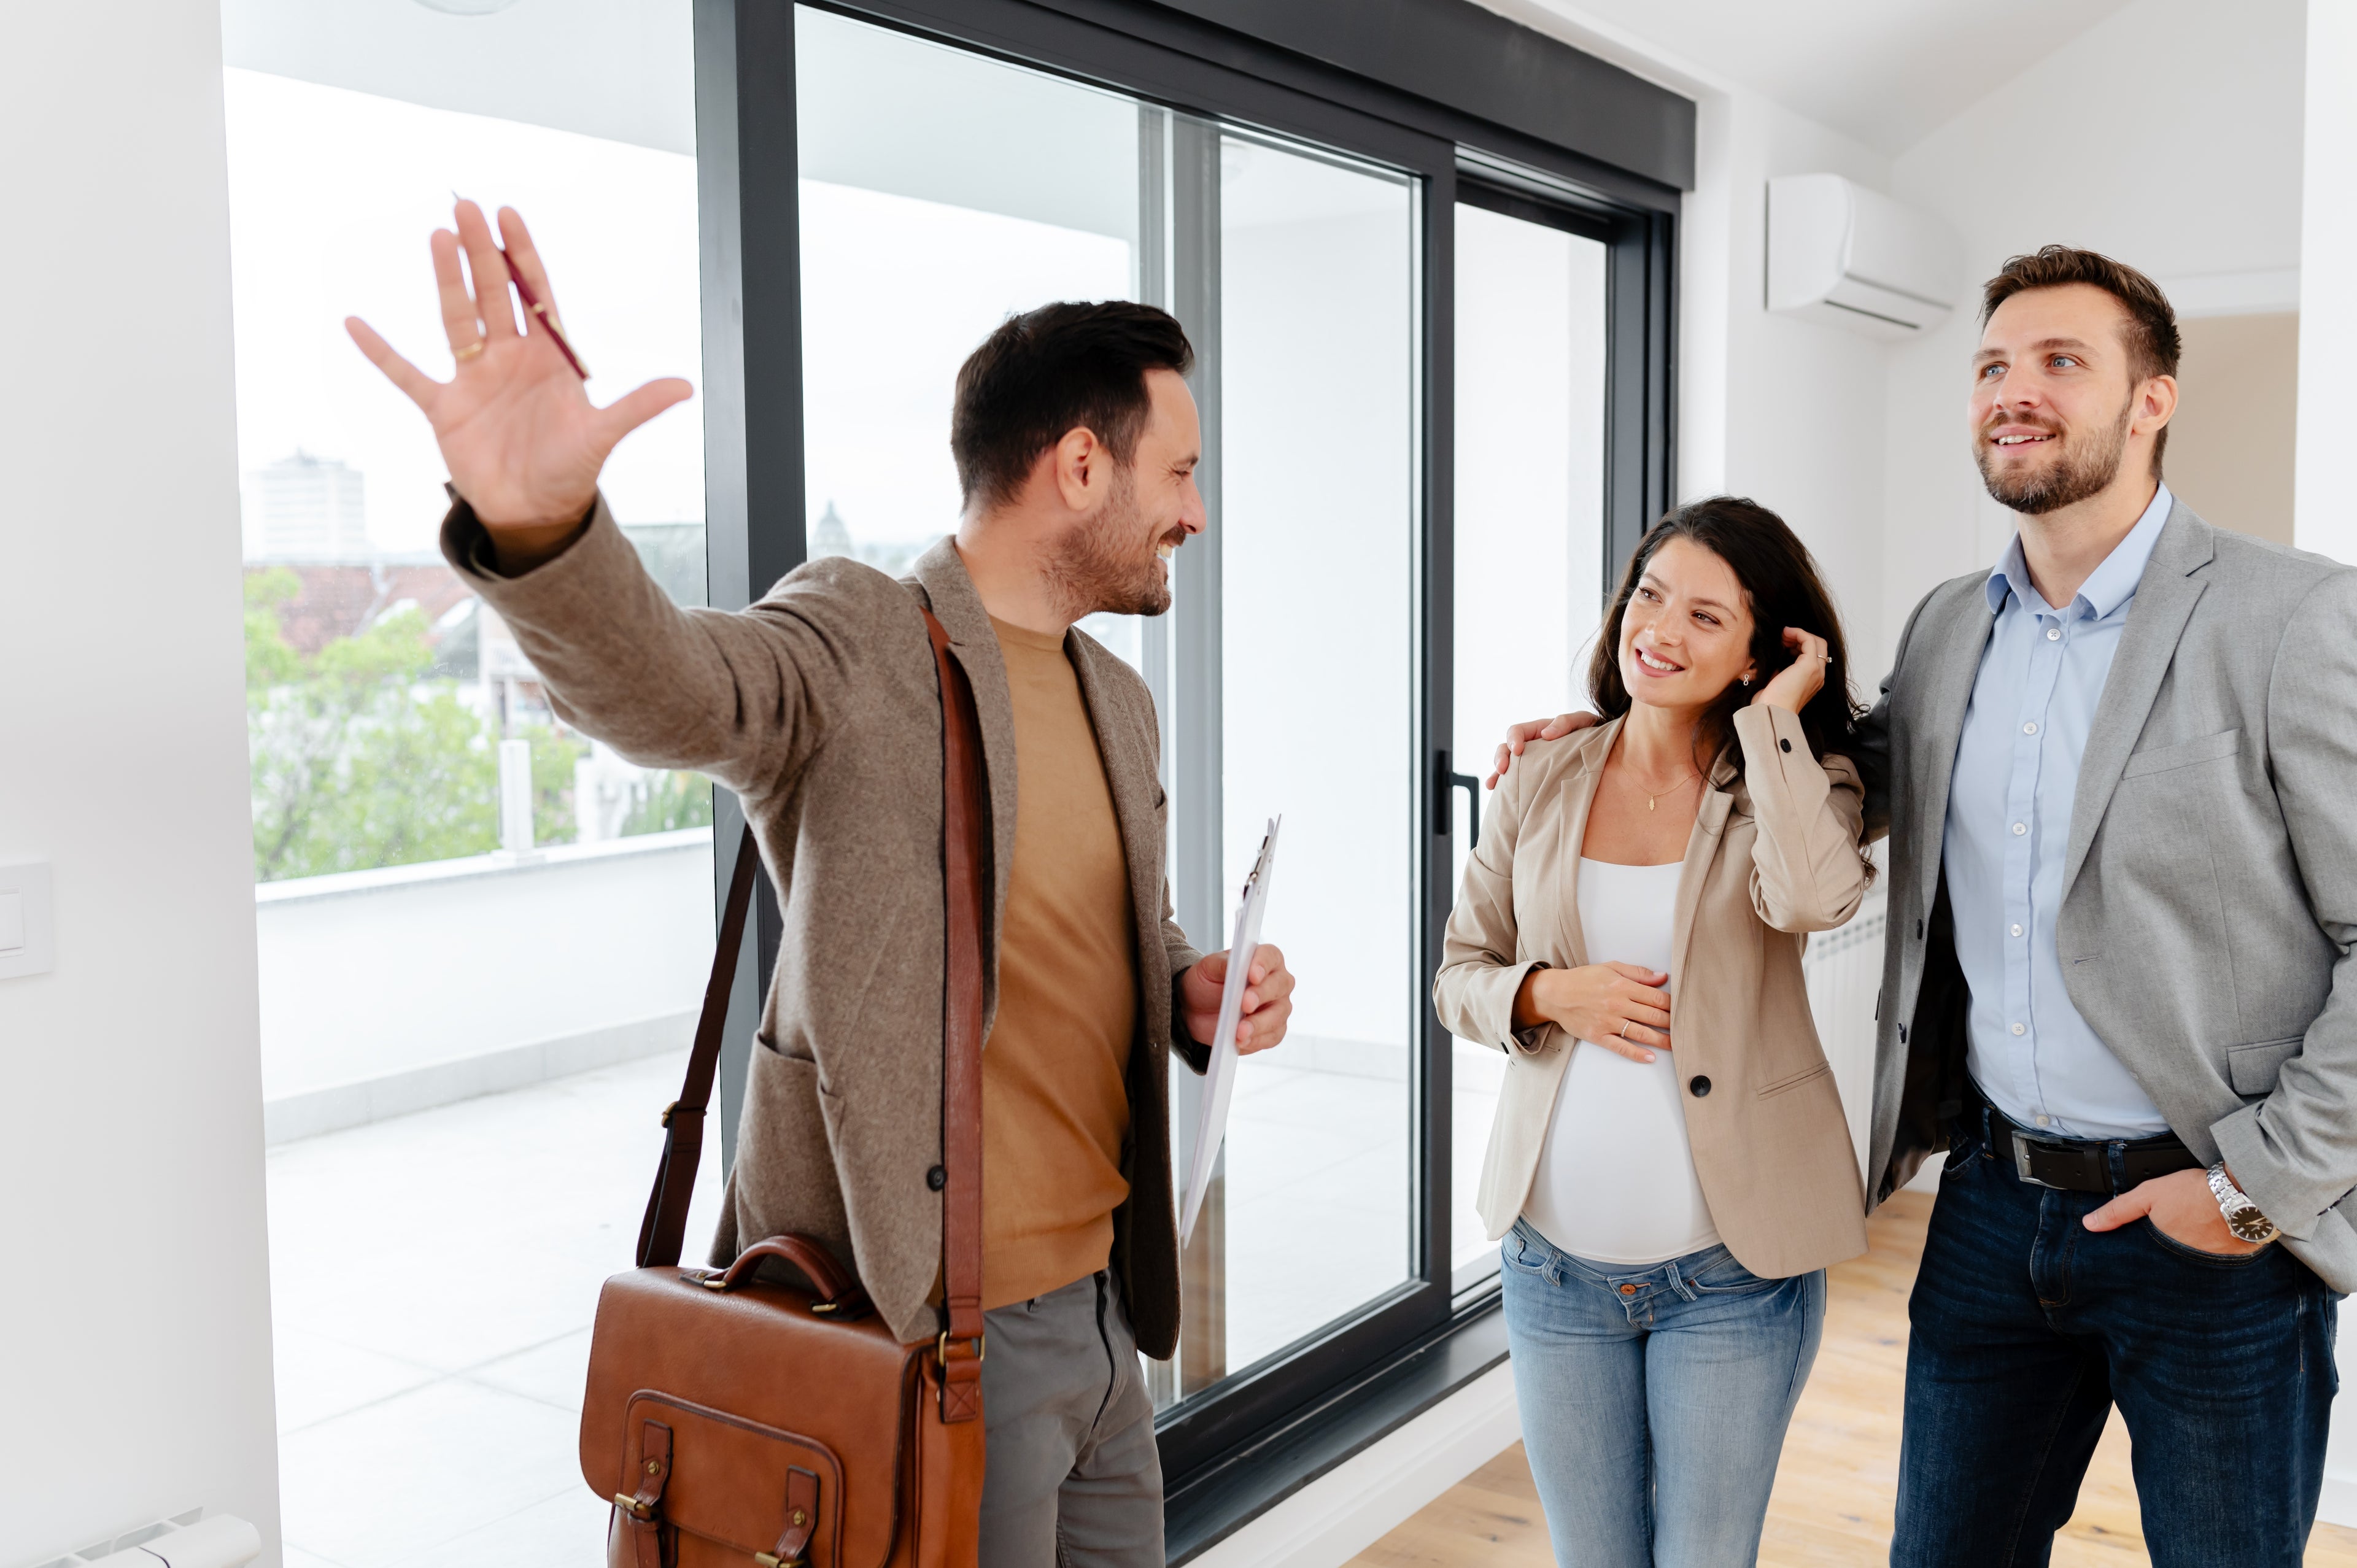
x,y
771,1560
942,1348
636,1507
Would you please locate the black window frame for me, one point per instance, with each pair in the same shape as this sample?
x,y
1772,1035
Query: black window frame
x,y
1230,1451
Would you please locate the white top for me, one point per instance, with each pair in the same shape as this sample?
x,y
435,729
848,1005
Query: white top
x,y
1615,1178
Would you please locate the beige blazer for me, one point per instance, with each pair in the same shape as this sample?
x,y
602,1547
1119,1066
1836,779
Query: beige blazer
x,y
820,706
1774,854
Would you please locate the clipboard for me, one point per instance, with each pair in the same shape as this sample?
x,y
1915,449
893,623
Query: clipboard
x,y
1220,1076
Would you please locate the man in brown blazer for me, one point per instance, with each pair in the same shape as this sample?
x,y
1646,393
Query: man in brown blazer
x,y
1076,443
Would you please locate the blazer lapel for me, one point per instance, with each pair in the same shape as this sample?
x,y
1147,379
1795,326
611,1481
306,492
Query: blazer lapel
x,y
1941,694
1137,793
2165,598
1581,783
941,573
1701,848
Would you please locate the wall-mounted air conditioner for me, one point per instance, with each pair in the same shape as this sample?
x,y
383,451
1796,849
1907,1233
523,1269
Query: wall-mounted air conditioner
x,y
1840,254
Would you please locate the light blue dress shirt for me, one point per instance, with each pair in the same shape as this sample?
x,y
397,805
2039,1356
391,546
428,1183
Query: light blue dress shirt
x,y
2008,827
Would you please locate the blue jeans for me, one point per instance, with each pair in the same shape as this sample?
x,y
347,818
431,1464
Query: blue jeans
x,y
1654,1400
2028,1326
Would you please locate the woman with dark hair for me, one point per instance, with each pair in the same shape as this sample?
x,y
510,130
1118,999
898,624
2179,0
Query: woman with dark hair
x,y
1670,1170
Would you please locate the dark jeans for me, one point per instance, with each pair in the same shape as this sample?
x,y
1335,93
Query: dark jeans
x,y
2028,1326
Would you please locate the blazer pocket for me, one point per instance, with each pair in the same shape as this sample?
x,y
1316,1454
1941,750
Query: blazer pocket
x,y
1794,1079
2253,1069
2184,754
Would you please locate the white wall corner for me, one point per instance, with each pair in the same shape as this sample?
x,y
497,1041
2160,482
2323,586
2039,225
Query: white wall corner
x,y
1352,1506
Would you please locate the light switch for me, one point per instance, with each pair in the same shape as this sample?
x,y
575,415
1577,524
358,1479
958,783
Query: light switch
x,y
27,931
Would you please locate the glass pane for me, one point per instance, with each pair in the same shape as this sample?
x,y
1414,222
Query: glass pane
x,y
1530,545
940,193
1317,357
470,1017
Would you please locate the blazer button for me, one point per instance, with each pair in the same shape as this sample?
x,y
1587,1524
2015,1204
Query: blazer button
x,y
937,1178
1785,744
1699,1084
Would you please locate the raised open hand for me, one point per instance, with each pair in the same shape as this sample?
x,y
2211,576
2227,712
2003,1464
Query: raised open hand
x,y
523,443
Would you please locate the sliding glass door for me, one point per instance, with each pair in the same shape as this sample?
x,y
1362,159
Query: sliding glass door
x,y
940,190
1530,544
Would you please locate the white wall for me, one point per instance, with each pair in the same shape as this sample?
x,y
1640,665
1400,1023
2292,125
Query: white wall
x,y
2167,135
2323,519
137,1290
1784,411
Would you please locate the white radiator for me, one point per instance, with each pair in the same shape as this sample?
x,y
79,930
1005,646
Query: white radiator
x,y
184,1541
1844,972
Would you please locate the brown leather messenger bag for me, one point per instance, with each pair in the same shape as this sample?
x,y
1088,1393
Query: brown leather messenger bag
x,y
736,1421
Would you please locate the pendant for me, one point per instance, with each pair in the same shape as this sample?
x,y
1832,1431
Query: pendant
x,y
1648,801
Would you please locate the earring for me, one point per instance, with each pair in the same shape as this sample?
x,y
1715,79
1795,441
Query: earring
x,y
1745,679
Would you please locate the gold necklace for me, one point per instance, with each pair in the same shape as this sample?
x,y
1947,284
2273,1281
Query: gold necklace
x,y
1654,796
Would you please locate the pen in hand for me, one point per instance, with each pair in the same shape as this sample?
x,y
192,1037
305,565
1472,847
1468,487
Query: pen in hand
x,y
531,301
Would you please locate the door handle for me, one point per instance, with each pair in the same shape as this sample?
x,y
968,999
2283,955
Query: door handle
x,y
1447,780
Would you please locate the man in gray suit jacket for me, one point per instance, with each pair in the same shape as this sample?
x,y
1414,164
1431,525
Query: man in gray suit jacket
x,y
2117,772
2118,988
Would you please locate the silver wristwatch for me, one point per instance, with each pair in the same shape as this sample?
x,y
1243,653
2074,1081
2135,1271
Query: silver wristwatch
x,y
2243,1215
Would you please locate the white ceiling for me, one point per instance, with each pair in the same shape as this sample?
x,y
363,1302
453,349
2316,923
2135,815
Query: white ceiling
x,y
1885,72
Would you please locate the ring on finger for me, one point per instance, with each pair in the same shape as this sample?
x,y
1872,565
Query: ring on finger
x,y
470,351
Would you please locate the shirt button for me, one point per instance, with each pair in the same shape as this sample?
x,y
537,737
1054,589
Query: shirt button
x,y
2020,829
2046,1121
2017,931
2021,1028
2053,634
2030,728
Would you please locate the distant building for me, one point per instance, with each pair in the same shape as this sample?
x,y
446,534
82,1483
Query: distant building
x,y
308,509
829,537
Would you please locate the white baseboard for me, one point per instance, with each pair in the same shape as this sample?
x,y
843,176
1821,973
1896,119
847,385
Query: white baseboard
x,y
2339,1503
331,1110
1349,1508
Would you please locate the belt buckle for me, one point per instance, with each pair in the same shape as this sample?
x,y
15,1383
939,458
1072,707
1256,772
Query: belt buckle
x,y
2022,1162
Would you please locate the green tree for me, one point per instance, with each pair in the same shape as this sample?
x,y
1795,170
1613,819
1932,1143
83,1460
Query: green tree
x,y
357,760
553,757
671,800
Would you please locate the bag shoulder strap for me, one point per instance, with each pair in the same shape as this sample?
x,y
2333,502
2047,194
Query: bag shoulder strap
x,y
662,1231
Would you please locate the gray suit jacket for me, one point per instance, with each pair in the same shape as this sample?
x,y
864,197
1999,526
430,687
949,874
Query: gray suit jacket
x,y
820,706
2210,885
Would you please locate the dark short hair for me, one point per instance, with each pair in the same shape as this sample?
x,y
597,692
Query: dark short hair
x,y
1781,586
2150,336
1046,372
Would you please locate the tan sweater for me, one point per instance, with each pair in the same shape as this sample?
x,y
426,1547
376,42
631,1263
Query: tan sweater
x,y
1055,1095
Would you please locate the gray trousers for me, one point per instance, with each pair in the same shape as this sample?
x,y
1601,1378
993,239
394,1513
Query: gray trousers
x,y
1073,1476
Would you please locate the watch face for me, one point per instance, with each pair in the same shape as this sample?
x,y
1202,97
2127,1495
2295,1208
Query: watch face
x,y
2250,1225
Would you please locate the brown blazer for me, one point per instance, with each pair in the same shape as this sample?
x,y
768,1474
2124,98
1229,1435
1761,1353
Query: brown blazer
x,y
1774,854
820,707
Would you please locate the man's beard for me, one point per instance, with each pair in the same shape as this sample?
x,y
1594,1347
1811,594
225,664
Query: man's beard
x,y
2085,466
1097,567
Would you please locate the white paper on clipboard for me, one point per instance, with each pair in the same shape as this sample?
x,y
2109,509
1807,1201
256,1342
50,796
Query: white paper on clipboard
x,y
1220,1077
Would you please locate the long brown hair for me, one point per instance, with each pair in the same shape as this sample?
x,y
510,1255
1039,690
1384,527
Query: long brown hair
x,y
1781,586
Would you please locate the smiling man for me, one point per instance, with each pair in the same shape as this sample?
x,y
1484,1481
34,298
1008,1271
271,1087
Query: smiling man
x,y
2118,989
1076,443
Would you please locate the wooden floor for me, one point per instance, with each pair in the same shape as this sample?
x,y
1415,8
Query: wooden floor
x,y
1834,1490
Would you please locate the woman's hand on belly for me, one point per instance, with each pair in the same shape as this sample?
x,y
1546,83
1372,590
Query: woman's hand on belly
x,y
1622,1006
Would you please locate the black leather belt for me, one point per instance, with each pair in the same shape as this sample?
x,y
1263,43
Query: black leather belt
x,y
2073,1164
